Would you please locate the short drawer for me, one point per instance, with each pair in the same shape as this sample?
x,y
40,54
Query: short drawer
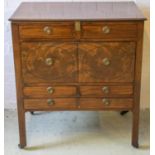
x,y
50,104
106,103
49,91
106,91
58,30
109,30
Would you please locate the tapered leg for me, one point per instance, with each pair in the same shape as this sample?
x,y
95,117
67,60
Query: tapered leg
x,y
22,130
135,128
137,86
19,84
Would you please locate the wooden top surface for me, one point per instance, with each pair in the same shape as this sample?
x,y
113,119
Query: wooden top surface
x,y
53,11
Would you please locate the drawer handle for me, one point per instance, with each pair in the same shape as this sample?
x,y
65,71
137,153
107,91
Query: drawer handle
x,y
106,61
106,102
49,61
50,90
105,29
105,89
50,102
47,30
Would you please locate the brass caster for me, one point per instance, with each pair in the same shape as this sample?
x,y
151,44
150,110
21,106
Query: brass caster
x,y
32,112
123,112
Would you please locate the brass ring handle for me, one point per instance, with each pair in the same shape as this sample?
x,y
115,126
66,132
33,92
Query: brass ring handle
x,y
49,61
105,89
50,102
50,90
106,102
106,61
47,30
105,29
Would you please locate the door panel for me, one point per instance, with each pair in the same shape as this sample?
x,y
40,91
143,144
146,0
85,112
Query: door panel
x,y
49,62
106,62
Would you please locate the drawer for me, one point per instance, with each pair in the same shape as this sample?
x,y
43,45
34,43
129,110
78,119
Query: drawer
x,y
57,30
106,61
106,91
109,30
50,104
84,104
106,103
49,62
49,91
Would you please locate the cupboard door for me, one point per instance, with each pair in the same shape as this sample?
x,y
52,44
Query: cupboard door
x,y
49,62
106,62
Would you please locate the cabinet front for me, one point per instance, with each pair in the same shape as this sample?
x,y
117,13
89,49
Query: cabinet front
x,y
106,62
49,62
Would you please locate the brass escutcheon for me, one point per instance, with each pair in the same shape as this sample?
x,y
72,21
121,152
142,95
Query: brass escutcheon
x,y
77,26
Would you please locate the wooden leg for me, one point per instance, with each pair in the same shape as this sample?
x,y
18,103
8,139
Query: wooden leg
x,y
137,88
19,85
135,128
22,129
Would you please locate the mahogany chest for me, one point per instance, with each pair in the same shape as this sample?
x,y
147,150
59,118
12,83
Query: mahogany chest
x,y
77,56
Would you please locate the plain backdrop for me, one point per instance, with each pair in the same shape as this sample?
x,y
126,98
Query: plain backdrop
x,y
10,92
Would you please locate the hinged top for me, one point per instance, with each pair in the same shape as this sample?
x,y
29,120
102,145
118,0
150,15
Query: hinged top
x,y
52,11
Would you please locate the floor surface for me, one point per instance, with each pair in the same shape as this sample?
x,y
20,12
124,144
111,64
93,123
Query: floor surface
x,y
76,133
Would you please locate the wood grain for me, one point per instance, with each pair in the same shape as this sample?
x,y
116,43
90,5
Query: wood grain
x,y
63,55
137,86
113,91
41,104
120,54
58,30
78,71
117,30
84,104
19,85
115,104
42,92
47,11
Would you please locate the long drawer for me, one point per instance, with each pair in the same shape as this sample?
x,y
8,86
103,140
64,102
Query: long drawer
x,y
86,30
78,104
73,91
